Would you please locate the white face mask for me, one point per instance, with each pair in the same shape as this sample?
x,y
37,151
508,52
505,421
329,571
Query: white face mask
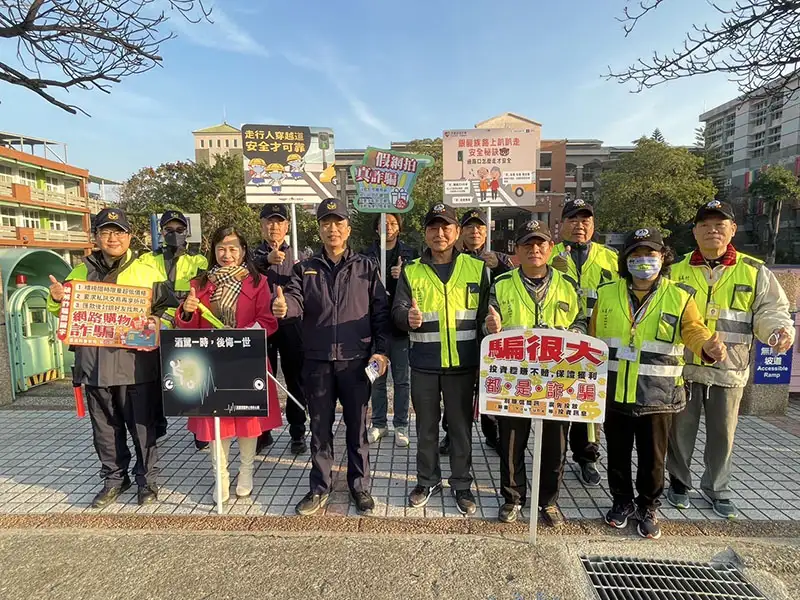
x,y
645,267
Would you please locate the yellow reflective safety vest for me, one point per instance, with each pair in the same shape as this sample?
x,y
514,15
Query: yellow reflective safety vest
x,y
601,267
726,306
448,337
518,310
187,268
645,364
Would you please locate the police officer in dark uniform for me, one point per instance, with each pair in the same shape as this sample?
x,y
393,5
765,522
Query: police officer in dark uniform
x,y
275,259
345,313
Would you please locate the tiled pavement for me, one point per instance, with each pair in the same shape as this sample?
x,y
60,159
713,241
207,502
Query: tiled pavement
x,y
48,465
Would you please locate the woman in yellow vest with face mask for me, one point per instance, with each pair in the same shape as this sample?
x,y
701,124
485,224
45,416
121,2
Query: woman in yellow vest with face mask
x,y
646,320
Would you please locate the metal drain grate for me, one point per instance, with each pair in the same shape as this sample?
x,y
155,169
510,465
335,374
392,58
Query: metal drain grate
x,y
619,578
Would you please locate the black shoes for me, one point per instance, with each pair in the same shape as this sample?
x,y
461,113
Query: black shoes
x,y
619,514
311,503
420,495
109,495
509,513
364,502
444,445
200,446
465,502
552,516
264,441
589,475
299,446
147,494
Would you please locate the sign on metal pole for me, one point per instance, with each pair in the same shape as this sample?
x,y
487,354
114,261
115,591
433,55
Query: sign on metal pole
x,y
543,374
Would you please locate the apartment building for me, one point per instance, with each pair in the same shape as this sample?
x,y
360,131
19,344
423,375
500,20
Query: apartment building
x,y
214,141
44,202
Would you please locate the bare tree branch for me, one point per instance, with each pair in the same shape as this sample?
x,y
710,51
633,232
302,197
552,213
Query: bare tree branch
x,y
85,44
756,44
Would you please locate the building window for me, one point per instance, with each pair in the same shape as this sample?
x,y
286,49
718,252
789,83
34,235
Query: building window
x,y
54,185
545,185
227,143
6,174
219,143
8,216
27,178
202,143
58,222
30,218
588,196
545,160
235,142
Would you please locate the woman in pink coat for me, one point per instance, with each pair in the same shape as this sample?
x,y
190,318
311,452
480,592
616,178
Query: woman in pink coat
x,y
239,297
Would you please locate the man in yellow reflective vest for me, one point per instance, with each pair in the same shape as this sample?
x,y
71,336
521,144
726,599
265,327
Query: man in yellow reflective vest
x,y
177,267
739,298
590,264
440,300
534,295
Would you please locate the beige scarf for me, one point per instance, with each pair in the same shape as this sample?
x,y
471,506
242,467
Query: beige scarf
x,y
228,285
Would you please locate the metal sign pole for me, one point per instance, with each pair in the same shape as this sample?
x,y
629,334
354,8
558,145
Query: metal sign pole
x,y
537,465
383,248
218,471
294,232
489,228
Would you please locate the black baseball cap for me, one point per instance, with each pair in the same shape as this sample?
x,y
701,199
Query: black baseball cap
x,y
649,237
274,210
573,207
441,211
112,216
173,215
332,206
474,215
714,208
530,230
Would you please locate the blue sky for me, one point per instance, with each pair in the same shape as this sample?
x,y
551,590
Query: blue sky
x,y
381,71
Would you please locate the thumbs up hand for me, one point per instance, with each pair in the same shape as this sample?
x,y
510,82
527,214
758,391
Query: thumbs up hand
x,y
715,349
395,271
56,289
279,306
414,315
560,262
493,324
191,302
276,257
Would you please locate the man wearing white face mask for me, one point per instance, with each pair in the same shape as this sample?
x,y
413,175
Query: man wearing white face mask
x,y
740,299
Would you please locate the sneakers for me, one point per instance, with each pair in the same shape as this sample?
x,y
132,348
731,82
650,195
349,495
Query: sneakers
x,y
264,441
200,446
147,494
589,475
552,516
299,446
465,502
509,513
648,524
420,495
444,445
619,514
725,509
311,503
401,437
109,495
364,502
376,433
678,499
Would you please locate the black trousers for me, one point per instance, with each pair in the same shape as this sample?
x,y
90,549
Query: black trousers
x,y
513,440
288,342
112,411
650,433
456,390
583,451
325,383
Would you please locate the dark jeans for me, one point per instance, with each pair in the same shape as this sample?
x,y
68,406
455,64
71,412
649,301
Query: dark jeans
x,y
513,441
113,410
288,342
456,389
325,383
398,359
584,451
650,433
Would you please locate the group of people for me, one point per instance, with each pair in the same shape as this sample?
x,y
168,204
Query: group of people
x,y
679,335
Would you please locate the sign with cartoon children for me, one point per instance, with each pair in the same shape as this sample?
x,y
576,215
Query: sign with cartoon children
x,y
385,179
288,164
544,374
490,167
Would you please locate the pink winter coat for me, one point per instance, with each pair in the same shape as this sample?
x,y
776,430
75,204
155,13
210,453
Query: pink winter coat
x,y
253,306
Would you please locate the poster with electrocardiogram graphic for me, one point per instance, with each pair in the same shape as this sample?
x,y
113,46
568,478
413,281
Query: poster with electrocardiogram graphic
x,y
214,372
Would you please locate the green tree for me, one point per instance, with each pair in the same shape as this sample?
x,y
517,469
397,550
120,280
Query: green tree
x,y
712,162
658,136
775,186
654,186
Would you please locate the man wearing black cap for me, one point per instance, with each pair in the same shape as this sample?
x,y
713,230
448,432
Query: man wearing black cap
x,y
275,259
122,386
440,299
534,295
739,298
590,264
177,267
342,300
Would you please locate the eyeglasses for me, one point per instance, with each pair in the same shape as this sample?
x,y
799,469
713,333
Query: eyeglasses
x,y
107,234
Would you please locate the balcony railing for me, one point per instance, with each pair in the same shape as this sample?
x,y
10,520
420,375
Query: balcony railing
x,y
45,196
9,232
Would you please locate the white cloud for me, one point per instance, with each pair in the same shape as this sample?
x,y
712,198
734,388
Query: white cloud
x,y
221,33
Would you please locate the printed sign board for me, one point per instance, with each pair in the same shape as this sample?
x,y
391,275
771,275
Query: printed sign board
x,y
385,180
770,367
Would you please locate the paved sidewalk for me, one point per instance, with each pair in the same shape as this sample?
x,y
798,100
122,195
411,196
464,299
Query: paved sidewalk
x,y
48,465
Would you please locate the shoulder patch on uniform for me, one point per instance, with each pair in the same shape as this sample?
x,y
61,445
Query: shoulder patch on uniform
x,y
503,276
686,288
310,272
753,262
570,279
607,283
563,306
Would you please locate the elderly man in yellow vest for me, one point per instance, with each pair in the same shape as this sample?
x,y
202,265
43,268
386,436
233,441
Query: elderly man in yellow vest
x,y
739,298
440,300
590,264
